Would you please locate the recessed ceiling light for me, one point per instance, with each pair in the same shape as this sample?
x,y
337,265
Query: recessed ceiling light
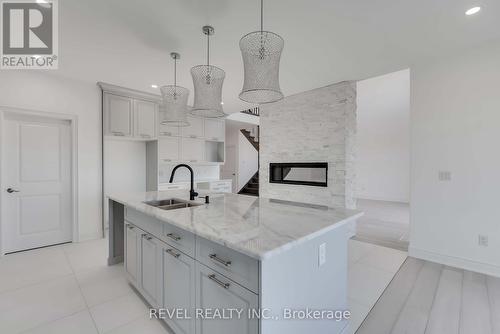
x,y
222,103
473,11
154,86
41,1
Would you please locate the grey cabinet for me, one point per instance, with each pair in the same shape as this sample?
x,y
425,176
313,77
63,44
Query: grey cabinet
x,y
118,115
131,252
179,289
215,291
150,269
145,119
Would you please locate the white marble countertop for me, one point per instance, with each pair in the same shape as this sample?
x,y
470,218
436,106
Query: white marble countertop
x,y
257,227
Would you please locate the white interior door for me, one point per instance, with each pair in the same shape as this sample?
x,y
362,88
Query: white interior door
x,y
37,191
229,169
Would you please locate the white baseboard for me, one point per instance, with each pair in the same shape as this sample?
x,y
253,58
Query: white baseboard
x,y
483,268
384,199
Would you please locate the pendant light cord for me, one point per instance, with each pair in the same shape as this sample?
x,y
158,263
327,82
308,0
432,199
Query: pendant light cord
x,y
208,50
261,16
175,72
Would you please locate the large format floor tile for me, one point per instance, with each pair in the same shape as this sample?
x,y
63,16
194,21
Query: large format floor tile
x,y
366,283
384,258
143,325
22,269
78,323
118,312
87,255
37,304
103,284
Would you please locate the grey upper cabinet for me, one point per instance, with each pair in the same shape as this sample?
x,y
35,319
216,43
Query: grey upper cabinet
x,y
150,269
118,115
146,116
215,291
178,288
215,129
195,128
131,252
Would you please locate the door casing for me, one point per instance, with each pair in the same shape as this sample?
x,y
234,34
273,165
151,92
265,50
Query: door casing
x,y
73,119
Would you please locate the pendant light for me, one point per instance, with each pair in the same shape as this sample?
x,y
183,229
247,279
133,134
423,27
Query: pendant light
x,y
174,100
208,80
261,52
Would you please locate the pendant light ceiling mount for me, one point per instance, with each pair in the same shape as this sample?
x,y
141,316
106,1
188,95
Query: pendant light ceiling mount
x,y
261,52
208,81
174,100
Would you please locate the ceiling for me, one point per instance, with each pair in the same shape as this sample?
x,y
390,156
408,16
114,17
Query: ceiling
x,y
128,42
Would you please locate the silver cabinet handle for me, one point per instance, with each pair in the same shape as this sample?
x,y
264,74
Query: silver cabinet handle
x,y
147,236
219,260
167,159
130,227
11,190
173,237
145,136
166,133
193,160
118,133
222,284
174,254
215,138
193,136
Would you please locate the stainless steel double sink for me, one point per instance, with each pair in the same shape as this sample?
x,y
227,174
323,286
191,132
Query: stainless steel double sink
x,y
171,204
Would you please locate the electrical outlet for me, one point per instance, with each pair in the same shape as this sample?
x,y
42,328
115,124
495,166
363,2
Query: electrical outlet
x,y
444,175
482,240
322,254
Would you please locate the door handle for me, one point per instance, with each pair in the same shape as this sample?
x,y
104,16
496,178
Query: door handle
x,y
10,191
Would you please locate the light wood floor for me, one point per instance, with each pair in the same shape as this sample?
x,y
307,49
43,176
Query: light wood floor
x,y
428,298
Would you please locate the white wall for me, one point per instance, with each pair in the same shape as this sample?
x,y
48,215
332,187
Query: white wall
x,y
383,138
37,90
455,122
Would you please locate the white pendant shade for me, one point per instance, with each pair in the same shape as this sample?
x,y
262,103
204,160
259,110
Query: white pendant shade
x,y
173,109
261,52
174,105
207,82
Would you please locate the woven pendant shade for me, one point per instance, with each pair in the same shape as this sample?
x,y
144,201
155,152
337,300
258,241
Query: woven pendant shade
x,y
174,105
174,101
208,81
261,52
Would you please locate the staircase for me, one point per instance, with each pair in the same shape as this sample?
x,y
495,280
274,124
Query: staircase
x,y
252,186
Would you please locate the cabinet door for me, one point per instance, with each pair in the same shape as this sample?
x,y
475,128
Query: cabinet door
x,y
195,128
179,289
145,119
169,130
118,115
214,129
168,149
131,252
214,291
192,150
150,273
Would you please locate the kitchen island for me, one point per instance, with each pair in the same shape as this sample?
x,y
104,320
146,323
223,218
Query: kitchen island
x,y
239,264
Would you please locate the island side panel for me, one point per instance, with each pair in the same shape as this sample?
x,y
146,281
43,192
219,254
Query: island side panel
x,y
294,280
116,225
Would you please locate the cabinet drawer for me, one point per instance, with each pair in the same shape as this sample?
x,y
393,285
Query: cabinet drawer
x,y
145,222
172,186
240,268
178,238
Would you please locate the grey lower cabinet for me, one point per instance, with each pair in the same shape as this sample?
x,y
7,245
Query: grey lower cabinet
x,y
168,278
150,269
178,289
215,291
131,252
